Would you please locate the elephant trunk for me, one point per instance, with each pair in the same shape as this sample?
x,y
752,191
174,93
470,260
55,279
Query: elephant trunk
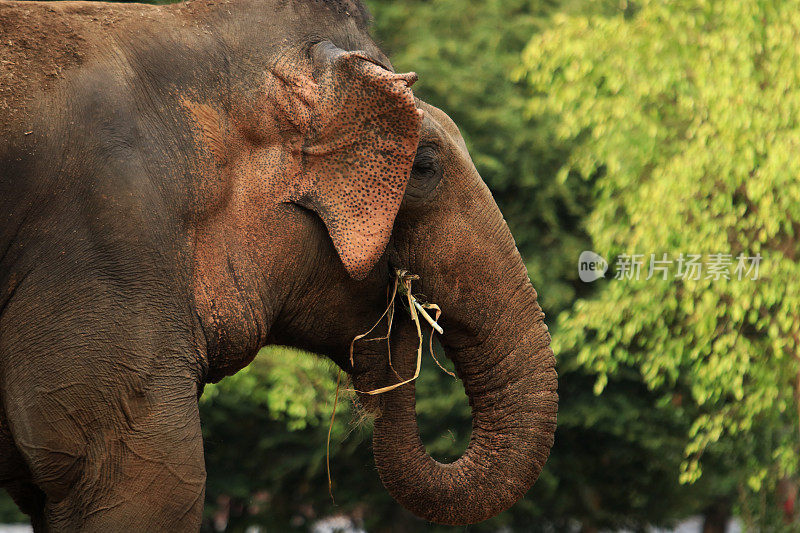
x,y
510,381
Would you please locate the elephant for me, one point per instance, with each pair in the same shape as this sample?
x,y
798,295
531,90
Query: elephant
x,y
183,185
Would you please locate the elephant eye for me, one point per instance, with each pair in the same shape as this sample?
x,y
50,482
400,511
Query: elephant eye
x,y
426,173
426,166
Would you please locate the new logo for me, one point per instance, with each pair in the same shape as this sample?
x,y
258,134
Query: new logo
x,y
591,266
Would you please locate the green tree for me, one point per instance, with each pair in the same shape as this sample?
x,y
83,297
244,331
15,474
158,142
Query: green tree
x,y
685,116
9,513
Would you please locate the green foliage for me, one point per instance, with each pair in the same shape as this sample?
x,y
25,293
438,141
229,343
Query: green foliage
x,y
9,512
685,116
265,431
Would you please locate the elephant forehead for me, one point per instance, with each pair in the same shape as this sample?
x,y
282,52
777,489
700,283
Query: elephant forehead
x,y
439,126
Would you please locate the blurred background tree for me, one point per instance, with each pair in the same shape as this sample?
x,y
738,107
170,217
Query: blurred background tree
x,y
685,117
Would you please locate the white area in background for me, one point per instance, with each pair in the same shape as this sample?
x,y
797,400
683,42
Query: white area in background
x,y
691,525
336,524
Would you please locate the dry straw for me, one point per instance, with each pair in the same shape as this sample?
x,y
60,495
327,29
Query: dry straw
x,y
402,285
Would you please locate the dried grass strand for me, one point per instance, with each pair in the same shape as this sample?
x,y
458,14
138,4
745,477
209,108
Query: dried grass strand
x,y
390,306
433,332
404,279
330,430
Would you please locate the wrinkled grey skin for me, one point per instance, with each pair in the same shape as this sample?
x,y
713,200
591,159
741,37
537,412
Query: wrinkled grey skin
x,y
148,246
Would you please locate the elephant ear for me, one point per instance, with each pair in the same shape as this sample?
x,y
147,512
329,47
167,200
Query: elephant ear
x,y
358,151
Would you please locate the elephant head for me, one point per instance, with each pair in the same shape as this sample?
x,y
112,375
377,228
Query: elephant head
x,y
393,184
338,177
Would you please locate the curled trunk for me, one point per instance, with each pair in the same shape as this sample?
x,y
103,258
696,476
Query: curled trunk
x,y
511,384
